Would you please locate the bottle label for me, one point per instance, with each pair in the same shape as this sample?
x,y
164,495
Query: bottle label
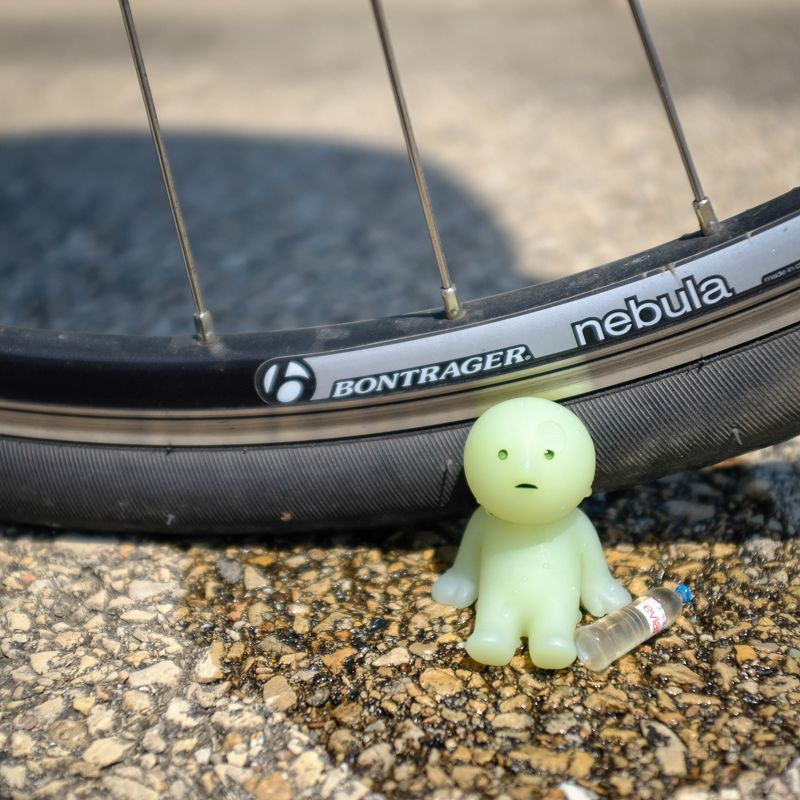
x,y
653,612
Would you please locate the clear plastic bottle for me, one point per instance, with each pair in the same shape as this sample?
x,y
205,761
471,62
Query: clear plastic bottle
x,y
603,642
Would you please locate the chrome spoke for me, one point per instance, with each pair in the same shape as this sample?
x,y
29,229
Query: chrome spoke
x,y
450,301
702,205
202,317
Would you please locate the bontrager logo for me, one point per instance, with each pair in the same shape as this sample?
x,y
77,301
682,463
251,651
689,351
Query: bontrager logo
x,y
430,374
285,380
639,314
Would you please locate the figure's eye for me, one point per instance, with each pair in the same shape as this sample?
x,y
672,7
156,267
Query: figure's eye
x,y
549,455
502,454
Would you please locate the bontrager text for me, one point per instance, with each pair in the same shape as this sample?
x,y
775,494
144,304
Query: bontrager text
x,y
430,374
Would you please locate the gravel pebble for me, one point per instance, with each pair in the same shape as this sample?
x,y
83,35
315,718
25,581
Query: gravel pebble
x,y
378,759
209,668
307,769
107,751
18,622
278,695
14,776
441,682
678,673
511,720
163,673
146,590
273,787
395,657
178,712
669,749
126,789
253,579
40,662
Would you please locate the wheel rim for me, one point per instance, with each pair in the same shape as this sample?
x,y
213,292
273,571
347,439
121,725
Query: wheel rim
x,y
754,310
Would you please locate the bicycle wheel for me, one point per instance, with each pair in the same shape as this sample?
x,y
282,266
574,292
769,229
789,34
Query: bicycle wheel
x,y
676,357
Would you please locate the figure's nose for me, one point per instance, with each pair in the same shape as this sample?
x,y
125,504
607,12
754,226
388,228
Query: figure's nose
x,y
528,462
526,475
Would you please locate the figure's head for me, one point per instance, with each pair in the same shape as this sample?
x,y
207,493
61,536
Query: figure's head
x,y
529,460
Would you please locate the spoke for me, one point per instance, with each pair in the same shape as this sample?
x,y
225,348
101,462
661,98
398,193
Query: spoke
x,y
452,306
202,317
702,205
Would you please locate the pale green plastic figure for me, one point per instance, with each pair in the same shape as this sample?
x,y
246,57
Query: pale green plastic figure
x,y
528,554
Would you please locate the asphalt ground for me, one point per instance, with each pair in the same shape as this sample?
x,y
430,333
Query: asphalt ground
x,y
319,666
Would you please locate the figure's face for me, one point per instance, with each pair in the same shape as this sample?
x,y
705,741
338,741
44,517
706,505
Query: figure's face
x,y
529,460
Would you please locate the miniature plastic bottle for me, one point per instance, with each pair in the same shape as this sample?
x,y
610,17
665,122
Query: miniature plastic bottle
x,y
604,641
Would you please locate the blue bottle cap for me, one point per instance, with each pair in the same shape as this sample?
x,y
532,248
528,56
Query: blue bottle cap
x,y
684,592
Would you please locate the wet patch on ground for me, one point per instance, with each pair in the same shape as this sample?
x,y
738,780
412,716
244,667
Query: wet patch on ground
x,y
342,637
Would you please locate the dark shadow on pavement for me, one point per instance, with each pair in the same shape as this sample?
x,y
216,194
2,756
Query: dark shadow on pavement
x,y
286,233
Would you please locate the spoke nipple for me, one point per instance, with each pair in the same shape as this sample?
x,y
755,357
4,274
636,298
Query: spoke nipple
x,y
452,307
709,224
204,326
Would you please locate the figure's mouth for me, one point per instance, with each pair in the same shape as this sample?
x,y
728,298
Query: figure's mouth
x,y
526,486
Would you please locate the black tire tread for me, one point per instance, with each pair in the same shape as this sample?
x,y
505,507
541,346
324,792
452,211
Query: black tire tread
x,y
736,401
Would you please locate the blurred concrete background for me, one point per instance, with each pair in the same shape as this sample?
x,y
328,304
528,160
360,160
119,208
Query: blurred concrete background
x,y
541,128
319,666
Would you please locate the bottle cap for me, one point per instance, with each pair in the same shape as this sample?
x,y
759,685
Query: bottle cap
x,y
684,592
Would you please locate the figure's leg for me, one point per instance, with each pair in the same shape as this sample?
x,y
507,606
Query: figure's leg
x,y
497,632
551,636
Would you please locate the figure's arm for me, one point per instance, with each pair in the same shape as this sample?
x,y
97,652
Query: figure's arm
x,y
600,593
459,585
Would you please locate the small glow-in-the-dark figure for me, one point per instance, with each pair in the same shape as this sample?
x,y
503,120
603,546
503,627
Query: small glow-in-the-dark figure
x,y
529,556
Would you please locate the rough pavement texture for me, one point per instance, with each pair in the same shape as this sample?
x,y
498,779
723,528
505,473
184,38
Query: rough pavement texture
x,y
319,666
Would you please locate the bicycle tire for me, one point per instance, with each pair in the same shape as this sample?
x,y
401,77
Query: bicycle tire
x,y
167,435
